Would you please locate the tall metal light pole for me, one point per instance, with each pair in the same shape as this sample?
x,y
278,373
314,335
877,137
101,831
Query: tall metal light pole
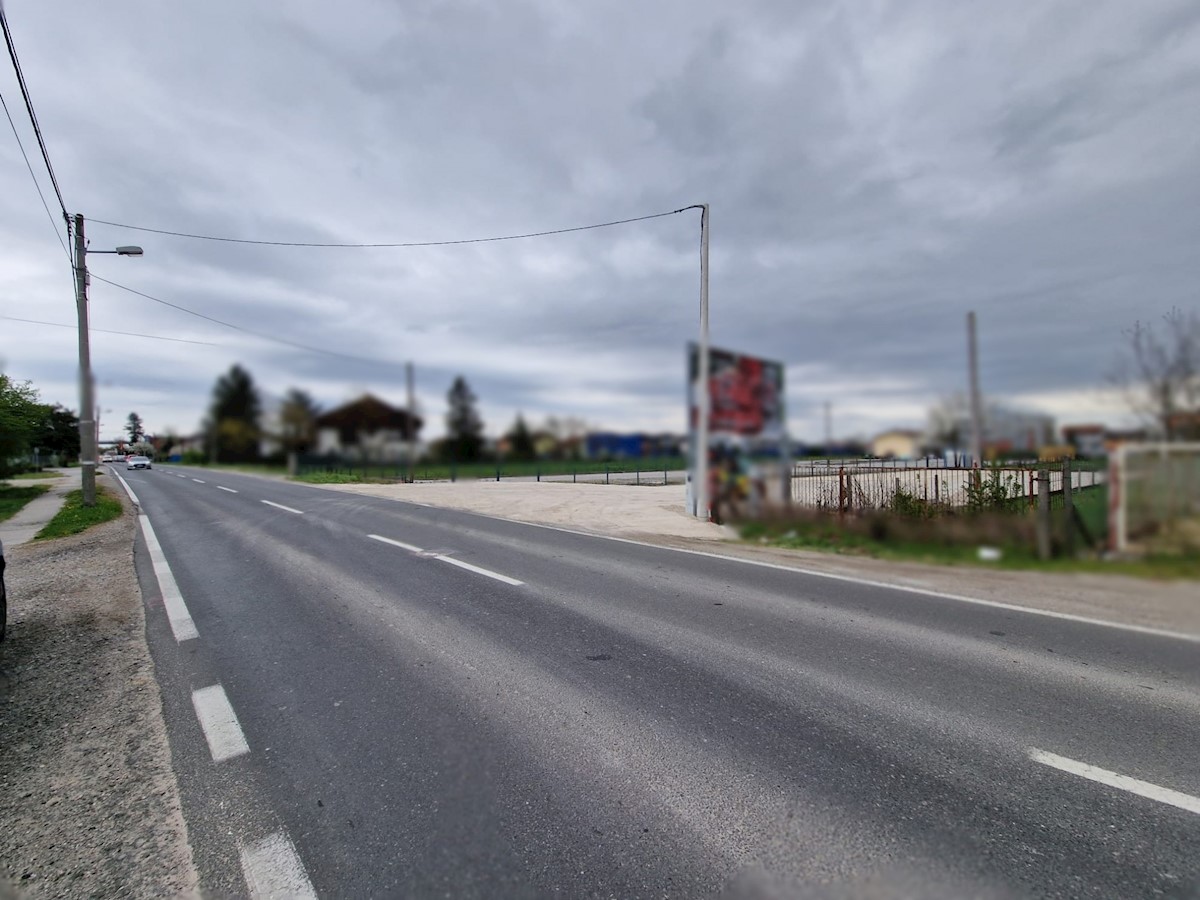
x,y
700,481
87,404
976,400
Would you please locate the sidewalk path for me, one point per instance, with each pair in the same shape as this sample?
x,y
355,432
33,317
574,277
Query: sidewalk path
x,y
21,528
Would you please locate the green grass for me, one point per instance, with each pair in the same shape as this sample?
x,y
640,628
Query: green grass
x,y
329,478
827,537
438,471
13,499
74,517
32,476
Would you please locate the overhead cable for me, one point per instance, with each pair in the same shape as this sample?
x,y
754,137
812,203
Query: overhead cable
x,y
75,327
37,130
38,186
483,240
259,334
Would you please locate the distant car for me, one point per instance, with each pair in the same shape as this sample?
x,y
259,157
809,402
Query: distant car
x,y
107,457
138,462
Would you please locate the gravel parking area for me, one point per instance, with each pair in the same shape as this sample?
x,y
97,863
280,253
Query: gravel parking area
x,y
88,800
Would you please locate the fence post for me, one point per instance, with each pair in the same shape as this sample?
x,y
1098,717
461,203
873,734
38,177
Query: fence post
x,y
842,489
1043,514
573,471
497,471
606,473
1068,506
638,473
539,473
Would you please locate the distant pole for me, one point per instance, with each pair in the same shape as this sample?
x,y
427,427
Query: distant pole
x,y
87,427
411,455
976,402
828,427
700,488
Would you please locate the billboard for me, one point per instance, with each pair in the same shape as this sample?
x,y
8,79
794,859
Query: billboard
x,y
746,398
747,419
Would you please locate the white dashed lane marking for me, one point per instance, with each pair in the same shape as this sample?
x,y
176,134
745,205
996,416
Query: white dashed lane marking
x,y
298,512
478,570
182,625
1115,780
221,487
219,723
273,869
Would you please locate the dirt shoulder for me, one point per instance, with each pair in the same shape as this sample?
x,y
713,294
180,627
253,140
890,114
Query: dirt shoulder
x,y
88,798
656,515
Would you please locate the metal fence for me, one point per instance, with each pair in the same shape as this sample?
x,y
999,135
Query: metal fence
x,y
851,485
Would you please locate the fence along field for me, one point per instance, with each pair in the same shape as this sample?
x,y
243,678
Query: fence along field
x,y
874,484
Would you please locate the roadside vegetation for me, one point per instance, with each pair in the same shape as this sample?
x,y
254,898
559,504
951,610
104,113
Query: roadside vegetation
x,y
13,498
74,517
908,530
34,476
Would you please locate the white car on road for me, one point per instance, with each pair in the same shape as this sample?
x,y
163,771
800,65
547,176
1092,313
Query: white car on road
x,y
138,462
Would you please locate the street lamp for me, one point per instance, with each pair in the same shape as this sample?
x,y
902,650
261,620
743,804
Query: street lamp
x,y
87,405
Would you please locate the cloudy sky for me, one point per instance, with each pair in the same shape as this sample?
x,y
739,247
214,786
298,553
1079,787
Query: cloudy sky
x,y
875,171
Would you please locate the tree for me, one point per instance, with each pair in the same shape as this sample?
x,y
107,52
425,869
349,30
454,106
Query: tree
x,y
1159,373
20,417
464,428
59,432
135,428
232,427
520,440
297,420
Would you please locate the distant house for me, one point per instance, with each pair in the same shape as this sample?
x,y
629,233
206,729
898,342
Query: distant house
x,y
367,430
1088,440
898,443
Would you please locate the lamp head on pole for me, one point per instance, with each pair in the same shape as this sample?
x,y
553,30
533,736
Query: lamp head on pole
x,y
129,251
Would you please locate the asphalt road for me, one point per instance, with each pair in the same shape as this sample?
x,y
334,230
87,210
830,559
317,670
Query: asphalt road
x,y
632,721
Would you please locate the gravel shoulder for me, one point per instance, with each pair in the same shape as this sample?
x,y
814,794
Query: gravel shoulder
x,y
88,799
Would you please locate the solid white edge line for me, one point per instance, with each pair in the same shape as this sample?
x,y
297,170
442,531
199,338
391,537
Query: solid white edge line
x,y
403,546
219,723
1122,782
298,512
478,570
272,868
125,484
198,481
221,487
854,579
178,616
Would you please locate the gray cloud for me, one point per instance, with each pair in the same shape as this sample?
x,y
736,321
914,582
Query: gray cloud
x,y
874,173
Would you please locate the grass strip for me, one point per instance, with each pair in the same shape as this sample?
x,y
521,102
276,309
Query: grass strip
x,y
74,517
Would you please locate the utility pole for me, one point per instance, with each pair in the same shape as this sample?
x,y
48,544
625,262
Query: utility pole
x,y
87,427
412,437
700,488
976,403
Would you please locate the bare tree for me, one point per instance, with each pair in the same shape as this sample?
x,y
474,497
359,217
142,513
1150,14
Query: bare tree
x,y
1159,373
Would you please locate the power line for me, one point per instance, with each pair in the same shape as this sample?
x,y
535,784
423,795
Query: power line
x,y
74,327
12,54
29,166
259,334
484,240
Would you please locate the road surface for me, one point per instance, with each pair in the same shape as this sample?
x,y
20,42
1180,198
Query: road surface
x,y
373,698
